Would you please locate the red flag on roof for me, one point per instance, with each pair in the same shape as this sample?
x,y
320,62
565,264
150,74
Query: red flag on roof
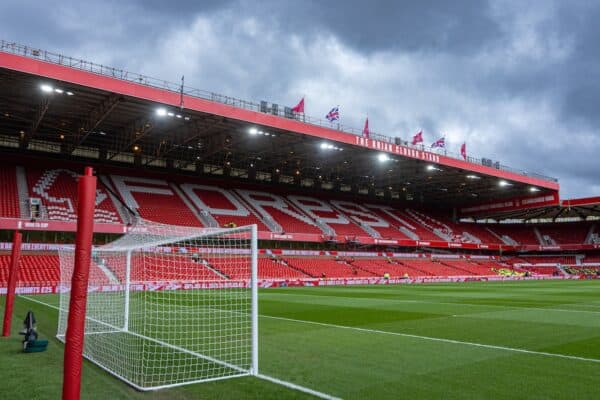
x,y
299,107
365,131
418,138
463,151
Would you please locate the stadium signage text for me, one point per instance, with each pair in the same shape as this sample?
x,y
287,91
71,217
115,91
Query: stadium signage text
x,y
396,149
161,286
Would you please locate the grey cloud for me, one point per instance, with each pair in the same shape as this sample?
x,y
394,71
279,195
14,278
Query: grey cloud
x,y
518,81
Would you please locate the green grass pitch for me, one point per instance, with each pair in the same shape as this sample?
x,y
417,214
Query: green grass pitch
x,y
509,340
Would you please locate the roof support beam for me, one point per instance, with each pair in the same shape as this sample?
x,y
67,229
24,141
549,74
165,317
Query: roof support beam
x,y
40,112
132,134
95,118
197,130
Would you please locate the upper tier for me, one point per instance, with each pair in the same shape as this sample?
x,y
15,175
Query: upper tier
x,y
196,202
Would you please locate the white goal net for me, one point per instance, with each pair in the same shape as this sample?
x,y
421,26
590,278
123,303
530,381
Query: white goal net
x,y
170,305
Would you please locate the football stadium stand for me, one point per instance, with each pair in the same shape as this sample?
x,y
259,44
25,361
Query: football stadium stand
x,y
9,196
225,162
42,268
190,201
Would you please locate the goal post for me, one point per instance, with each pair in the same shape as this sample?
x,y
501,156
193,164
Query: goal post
x,y
170,305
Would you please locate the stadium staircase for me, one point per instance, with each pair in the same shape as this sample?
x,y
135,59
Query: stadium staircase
x,y
23,192
591,235
205,218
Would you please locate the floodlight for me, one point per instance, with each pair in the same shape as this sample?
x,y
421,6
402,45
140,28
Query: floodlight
x,y
382,157
46,88
161,112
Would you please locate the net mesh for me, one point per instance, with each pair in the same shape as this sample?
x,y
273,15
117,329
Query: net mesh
x,y
168,305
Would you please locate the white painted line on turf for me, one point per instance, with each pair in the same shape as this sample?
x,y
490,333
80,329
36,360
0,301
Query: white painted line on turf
x,y
169,345
287,384
435,339
430,338
459,304
297,387
39,302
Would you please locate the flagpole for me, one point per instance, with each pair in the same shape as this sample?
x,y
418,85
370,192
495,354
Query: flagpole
x,y
181,93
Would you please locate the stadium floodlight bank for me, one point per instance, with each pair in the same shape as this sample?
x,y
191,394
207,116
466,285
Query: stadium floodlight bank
x,y
160,311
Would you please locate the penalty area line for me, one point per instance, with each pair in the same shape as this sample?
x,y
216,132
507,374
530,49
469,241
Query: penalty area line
x,y
39,302
297,387
408,335
271,379
442,340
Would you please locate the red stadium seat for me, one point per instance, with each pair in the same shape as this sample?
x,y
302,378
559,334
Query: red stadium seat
x,y
9,195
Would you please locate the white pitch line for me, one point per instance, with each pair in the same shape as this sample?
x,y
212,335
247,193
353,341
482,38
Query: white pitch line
x,y
39,302
271,379
430,338
297,387
435,339
461,304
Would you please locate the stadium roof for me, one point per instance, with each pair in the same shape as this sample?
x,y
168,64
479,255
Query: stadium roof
x,y
76,109
566,210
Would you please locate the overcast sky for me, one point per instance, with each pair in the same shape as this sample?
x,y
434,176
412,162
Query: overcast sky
x,y
518,81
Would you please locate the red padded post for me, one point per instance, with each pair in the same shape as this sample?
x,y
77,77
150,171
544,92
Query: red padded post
x,y
86,199
12,283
